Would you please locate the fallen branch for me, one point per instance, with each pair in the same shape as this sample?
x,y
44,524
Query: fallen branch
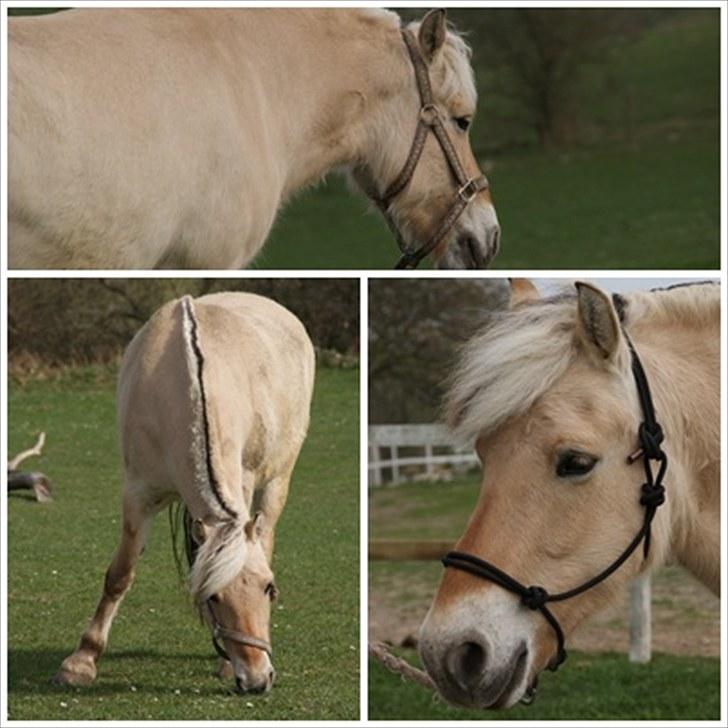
x,y
37,482
379,651
35,450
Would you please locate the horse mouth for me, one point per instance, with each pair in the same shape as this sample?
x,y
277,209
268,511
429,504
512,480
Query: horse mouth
x,y
519,671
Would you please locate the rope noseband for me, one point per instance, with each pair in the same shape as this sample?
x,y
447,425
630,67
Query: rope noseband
x,y
652,497
430,120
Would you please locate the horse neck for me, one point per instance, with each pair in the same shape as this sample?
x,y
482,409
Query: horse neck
x,y
347,66
682,362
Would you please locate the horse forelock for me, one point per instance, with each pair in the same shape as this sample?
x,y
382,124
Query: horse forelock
x,y
218,560
523,351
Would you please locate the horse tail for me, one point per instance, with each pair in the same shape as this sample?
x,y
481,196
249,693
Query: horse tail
x,y
184,547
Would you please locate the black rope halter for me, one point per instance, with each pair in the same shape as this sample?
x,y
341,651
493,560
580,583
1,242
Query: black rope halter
x,y
652,496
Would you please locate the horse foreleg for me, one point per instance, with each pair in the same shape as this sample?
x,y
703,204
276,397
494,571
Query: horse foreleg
x,y
79,668
271,502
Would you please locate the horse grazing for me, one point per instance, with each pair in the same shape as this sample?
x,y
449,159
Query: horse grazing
x,y
169,138
213,403
564,398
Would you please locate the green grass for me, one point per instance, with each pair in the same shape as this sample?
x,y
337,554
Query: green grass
x,y
160,662
587,687
648,205
423,510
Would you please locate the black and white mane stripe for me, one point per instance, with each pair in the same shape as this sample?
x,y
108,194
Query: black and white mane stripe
x,y
200,360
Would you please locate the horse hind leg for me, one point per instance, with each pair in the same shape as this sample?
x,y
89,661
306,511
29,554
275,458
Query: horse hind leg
x,y
79,668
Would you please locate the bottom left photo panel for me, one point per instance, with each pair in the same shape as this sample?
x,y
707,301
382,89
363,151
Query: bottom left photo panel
x,y
189,447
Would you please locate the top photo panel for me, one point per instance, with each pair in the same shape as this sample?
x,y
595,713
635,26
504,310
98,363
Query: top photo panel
x,y
362,138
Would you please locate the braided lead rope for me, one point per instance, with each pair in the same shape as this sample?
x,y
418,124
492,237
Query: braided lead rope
x,y
379,651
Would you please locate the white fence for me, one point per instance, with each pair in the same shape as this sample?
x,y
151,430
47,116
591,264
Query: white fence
x,y
430,454
435,458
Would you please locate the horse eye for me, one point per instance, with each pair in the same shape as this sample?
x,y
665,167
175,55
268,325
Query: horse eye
x,y
463,122
572,463
271,590
214,598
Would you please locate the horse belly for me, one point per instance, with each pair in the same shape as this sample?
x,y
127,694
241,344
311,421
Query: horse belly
x,y
107,172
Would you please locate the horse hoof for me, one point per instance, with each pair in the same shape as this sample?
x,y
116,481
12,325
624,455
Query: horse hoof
x,y
75,673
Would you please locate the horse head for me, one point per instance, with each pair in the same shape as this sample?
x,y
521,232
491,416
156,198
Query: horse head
x,y
233,586
420,168
548,395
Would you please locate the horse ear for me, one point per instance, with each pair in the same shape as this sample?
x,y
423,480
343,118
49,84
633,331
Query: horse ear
x,y
198,531
433,30
522,290
254,527
598,320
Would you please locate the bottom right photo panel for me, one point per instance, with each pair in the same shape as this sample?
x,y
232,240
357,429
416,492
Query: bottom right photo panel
x,y
544,499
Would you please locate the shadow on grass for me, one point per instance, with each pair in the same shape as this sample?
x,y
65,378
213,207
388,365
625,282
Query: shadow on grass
x,y
31,672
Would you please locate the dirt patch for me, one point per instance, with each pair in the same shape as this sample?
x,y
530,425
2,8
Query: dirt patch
x,y
685,615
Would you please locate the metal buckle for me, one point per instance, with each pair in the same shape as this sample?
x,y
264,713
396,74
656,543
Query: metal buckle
x,y
429,114
468,191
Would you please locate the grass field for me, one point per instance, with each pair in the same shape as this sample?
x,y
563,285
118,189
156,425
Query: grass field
x,y
598,684
160,662
652,206
588,687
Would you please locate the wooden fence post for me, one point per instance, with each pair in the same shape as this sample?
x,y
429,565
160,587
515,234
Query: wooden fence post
x,y
374,460
640,624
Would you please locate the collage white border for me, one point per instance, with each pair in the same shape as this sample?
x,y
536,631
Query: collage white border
x,y
363,275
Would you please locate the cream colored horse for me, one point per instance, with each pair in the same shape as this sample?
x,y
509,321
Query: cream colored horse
x,y
548,396
213,404
169,138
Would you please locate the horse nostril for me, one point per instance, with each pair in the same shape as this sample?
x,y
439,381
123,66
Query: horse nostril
x,y
466,664
469,251
239,685
495,243
271,677
473,658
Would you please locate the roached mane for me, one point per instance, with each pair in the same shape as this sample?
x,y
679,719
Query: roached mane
x,y
523,351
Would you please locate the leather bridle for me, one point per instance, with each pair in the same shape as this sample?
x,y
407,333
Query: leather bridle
x,y
652,496
430,120
220,632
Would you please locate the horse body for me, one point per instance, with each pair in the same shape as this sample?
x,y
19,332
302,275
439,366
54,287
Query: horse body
x,y
170,137
213,404
548,395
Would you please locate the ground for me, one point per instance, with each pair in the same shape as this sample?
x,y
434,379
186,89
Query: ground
x,y
160,664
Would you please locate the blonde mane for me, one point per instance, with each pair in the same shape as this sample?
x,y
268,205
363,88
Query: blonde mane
x,y
222,555
523,351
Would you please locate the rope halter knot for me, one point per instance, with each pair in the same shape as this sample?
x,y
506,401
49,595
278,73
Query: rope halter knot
x,y
534,597
651,437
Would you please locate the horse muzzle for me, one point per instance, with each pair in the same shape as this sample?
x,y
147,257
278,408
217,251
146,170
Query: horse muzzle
x,y
259,685
474,246
468,672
